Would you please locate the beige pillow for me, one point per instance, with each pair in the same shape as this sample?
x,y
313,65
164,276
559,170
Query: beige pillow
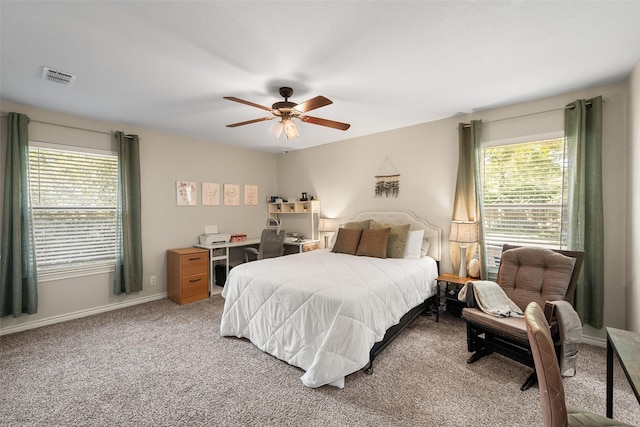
x,y
358,225
397,237
347,241
373,243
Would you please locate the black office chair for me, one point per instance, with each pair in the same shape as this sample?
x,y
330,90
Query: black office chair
x,y
271,246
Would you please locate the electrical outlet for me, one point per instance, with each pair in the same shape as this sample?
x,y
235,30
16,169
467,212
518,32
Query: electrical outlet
x,y
152,280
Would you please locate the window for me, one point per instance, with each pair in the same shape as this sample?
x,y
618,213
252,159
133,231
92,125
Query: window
x,y
74,198
523,196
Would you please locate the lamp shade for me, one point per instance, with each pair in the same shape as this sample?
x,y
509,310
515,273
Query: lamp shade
x,y
464,232
290,129
326,225
277,129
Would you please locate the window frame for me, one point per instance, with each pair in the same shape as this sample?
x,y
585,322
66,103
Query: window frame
x,y
492,266
90,267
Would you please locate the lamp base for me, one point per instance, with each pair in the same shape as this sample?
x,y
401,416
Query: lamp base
x,y
462,271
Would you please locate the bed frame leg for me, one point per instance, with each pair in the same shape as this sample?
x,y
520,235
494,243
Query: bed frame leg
x,y
369,368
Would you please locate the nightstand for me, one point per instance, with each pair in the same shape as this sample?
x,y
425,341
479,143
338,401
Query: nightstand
x,y
453,284
295,247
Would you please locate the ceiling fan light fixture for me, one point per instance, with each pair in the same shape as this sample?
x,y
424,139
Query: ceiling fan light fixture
x,y
290,129
285,111
277,129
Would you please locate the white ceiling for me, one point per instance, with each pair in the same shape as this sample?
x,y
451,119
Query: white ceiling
x,y
385,64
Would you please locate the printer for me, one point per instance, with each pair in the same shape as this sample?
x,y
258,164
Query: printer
x,y
211,236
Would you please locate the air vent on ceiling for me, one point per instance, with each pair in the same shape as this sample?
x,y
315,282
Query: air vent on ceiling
x,y
58,76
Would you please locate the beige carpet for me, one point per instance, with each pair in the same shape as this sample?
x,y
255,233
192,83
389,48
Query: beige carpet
x,y
162,364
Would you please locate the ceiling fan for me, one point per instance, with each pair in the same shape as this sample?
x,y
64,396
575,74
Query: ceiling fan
x,y
286,111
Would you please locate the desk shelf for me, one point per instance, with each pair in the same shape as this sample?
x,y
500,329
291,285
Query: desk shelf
x,y
311,208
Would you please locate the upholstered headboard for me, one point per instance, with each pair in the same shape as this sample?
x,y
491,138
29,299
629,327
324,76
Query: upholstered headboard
x,y
434,234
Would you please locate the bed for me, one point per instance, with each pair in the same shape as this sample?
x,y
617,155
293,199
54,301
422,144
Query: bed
x,y
331,313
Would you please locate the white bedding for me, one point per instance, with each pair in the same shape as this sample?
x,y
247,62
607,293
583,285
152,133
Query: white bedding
x,y
323,311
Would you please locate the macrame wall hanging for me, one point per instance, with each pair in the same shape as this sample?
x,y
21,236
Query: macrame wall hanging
x,y
387,180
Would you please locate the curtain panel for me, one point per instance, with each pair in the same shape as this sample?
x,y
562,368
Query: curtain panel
x,y
18,272
467,203
128,274
584,223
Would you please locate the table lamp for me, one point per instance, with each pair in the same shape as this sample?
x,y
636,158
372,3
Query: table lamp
x,y
326,225
463,232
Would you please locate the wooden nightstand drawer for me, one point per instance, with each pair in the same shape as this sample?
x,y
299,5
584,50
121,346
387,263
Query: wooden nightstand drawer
x,y
195,284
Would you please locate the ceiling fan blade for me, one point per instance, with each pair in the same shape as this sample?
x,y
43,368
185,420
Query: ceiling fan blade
x,y
242,101
312,104
248,122
325,122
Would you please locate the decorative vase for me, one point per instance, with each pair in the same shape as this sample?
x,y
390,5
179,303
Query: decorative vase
x,y
474,268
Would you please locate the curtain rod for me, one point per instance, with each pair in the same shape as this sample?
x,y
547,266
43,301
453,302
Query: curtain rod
x,y
67,126
568,107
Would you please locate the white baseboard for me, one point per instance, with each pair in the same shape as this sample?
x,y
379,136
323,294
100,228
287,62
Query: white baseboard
x,y
79,314
600,342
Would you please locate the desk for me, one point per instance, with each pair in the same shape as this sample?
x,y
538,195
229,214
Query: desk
x,y
627,347
215,256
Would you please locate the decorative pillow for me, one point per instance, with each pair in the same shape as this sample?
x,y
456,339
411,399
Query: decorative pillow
x,y
373,243
426,244
414,244
358,225
397,237
347,241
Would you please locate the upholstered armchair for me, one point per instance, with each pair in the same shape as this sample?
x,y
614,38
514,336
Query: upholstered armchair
x,y
552,399
271,245
526,274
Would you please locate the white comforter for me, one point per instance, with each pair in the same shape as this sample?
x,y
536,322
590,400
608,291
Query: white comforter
x,y
323,311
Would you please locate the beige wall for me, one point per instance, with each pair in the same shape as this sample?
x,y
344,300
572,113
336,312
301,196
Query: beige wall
x,y
164,159
342,174
632,281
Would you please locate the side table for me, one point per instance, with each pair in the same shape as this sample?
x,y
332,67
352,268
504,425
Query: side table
x,y
453,284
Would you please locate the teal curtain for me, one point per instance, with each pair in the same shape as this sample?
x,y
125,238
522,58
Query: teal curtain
x,y
467,203
128,273
584,210
18,271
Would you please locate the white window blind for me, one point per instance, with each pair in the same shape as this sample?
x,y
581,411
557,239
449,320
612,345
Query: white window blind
x,y
523,195
74,197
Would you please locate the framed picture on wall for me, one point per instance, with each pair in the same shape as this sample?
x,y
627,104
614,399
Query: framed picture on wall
x,y
250,195
186,193
232,194
210,194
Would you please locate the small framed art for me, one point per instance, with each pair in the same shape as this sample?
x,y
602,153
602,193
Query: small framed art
x,y
210,194
186,193
250,194
232,194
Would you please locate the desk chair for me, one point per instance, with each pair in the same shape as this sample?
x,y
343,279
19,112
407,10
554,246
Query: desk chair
x,y
271,246
554,409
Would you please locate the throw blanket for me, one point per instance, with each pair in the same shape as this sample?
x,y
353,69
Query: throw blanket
x,y
570,328
491,299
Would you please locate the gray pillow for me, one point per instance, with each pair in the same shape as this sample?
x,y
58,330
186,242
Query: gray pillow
x,y
397,237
